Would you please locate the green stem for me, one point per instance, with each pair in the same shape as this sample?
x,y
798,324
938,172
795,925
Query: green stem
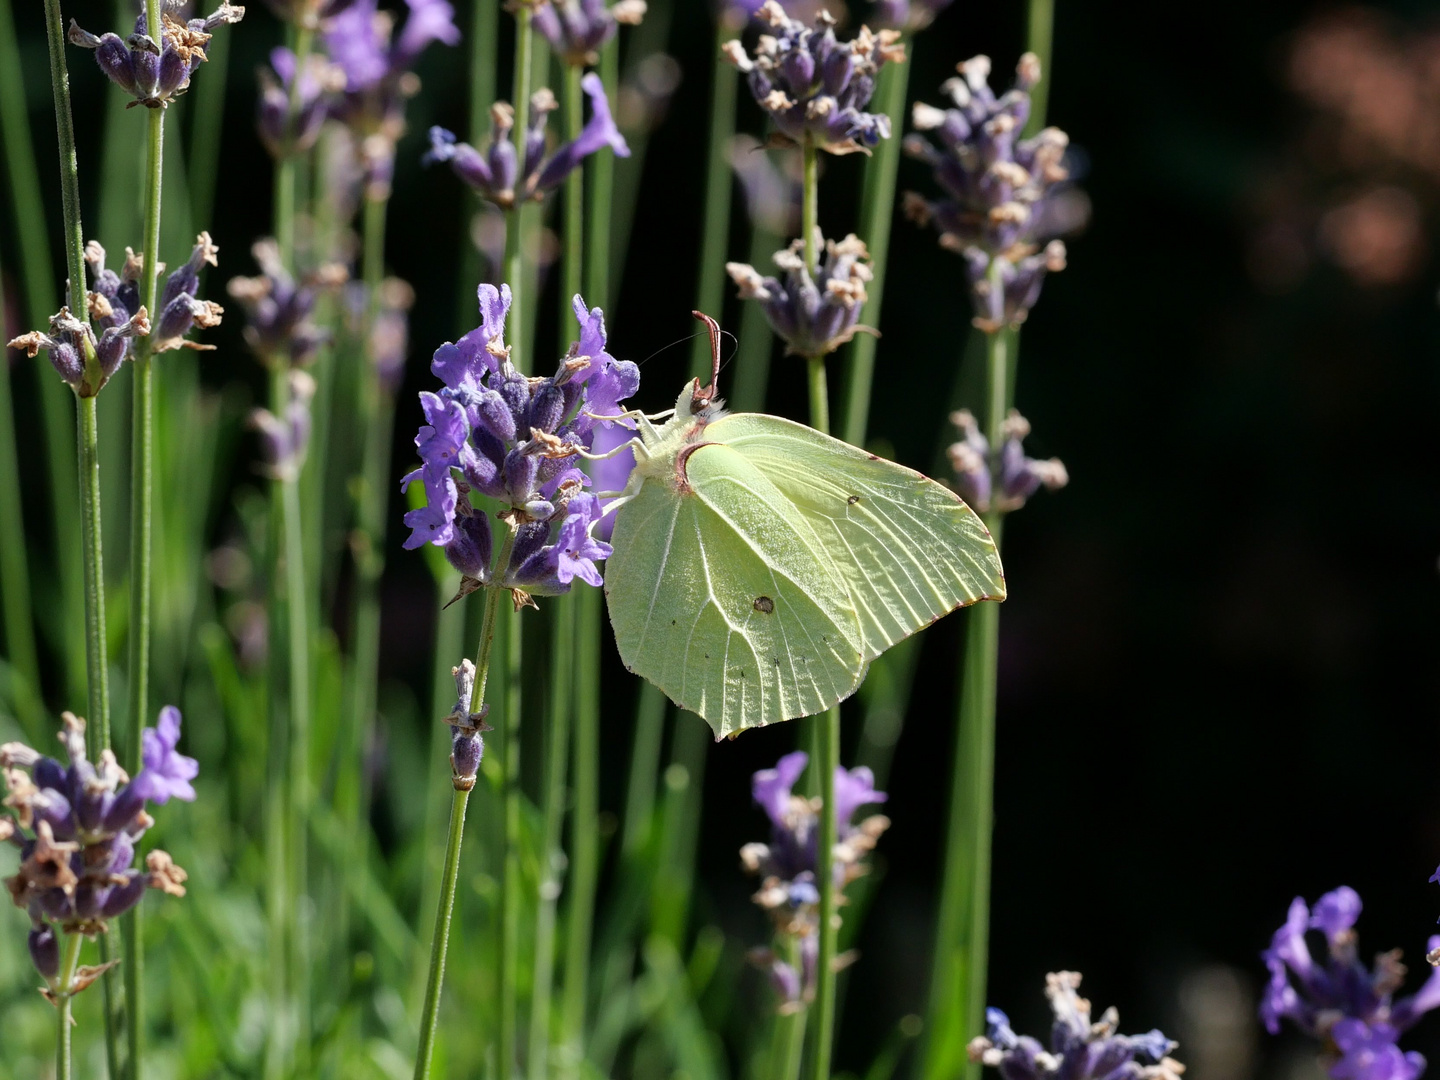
x,y
601,192
298,635
64,995
810,205
552,802
95,659
440,939
484,29
142,478
585,838
514,225
828,745
789,1048
877,212
710,295
644,766
285,182
510,900
958,974
207,121
1040,34
819,395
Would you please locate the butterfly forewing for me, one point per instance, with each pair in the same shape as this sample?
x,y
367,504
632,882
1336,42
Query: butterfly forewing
x,y
724,598
908,548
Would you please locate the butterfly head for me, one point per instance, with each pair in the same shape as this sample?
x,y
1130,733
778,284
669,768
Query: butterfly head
x,y
704,400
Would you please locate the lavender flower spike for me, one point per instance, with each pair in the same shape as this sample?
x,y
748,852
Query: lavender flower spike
x,y
154,74
83,821
493,432
980,472
813,87
814,313
285,133
494,175
578,29
280,327
786,865
1005,196
1080,1049
84,361
1336,999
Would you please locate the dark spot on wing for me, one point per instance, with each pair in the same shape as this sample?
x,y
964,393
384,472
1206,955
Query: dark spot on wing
x,y
764,605
873,457
852,500
672,622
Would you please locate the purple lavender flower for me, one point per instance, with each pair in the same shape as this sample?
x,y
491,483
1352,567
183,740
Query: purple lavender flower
x,y
378,79
772,196
980,472
490,431
1350,1009
285,439
908,15
494,174
578,29
284,133
1080,1049
279,309
84,820
815,313
814,87
786,865
84,361
180,310
1005,196
155,74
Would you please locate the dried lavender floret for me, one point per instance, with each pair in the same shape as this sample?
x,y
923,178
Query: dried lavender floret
x,y
578,29
980,471
154,74
814,313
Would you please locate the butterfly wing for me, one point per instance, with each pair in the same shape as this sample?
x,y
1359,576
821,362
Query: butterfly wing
x,y
909,549
723,598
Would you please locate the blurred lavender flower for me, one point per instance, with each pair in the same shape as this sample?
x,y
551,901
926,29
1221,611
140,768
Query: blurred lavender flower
x,y
494,176
814,313
516,440
84,361
378,76
772,196
1005,195
390,332
311,14
578,29
979,471
84,820
908,15
283,133
279,309
1079,1048
1350,1009
284,439
155,74
787,864
815,87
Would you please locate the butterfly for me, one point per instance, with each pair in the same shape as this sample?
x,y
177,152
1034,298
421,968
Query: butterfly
x,y
760,565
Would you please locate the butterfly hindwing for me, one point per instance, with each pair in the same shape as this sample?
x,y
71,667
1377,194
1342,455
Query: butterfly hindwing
x,y
909,549
723,597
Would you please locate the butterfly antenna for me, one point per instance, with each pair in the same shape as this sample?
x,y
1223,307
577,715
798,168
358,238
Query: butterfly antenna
x,y
704,395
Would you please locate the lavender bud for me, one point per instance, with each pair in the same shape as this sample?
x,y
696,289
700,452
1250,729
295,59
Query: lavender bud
x,y
470,549
466,750
45,950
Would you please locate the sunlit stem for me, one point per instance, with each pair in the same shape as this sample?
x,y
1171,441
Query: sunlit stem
x,y
440,940
65,982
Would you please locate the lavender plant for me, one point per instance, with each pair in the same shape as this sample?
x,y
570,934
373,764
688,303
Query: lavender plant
x,y
1335,999
77,870
493,433
1080,1047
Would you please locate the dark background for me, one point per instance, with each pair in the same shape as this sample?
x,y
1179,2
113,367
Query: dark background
x,y
1218,663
